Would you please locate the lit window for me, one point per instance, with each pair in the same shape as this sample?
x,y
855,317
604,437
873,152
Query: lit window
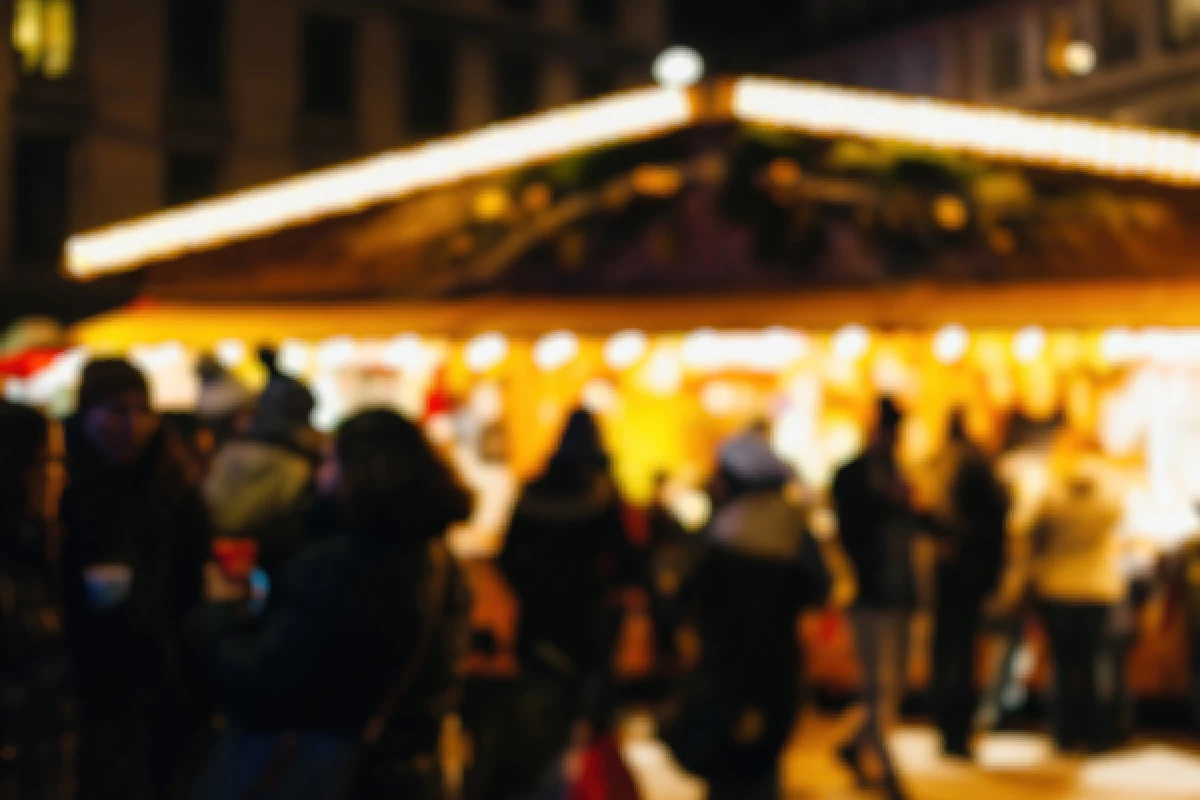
x,y
43,35
1183,21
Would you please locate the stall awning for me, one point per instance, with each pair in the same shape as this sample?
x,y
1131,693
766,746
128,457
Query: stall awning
x,y
748,188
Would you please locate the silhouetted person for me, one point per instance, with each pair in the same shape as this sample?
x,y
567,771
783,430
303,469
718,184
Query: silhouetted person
x,y
261,483
735,708
877,526
136,539
37,698
373,603
1078,579
969,518
567,557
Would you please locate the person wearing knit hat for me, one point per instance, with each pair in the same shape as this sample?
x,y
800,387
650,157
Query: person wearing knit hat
x,y
761,569
135,539
223,399
261,485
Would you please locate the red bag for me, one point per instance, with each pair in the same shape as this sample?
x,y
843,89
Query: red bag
x,y
603,774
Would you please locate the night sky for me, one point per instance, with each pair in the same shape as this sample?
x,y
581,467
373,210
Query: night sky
x,y
738,35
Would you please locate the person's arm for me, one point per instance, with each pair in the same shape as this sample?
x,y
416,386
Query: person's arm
x,y
266,672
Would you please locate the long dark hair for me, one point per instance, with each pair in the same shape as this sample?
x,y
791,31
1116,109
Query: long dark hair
x,y
393,480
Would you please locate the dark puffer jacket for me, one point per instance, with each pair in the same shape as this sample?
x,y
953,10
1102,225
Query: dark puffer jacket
x,y
344,621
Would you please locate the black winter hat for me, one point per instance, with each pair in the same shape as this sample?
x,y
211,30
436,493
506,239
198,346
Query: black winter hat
x,y
105,378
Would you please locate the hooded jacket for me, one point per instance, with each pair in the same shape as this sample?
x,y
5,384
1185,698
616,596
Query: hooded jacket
x,y
260,490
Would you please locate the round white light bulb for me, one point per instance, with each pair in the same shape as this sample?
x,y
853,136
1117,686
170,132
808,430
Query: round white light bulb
x,y
950,344
678,68
1080,58
555,350
625,349
485,352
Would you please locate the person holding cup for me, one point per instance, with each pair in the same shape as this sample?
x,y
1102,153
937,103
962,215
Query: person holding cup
x,y
135,542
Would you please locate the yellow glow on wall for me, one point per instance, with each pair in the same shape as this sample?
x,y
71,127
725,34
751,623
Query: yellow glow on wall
x,y
388,176
43,37
993,132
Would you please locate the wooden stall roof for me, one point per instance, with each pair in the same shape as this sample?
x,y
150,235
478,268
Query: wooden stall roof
x,y
806,203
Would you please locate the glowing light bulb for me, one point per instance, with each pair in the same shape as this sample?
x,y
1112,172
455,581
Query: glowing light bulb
x,y
720,399
678,68
293,357
951,344
336,353
776,349
486,352
625,349
230,353
1029,344
1079,58
555,350
600,397
851,343
703,350
403,351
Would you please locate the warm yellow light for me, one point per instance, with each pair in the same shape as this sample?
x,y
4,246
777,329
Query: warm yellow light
x,y
663,374
485,352
336,353
719,399
1029,344
230,353
293,357
851,343
555,350
625,349
784,173
600,397
775,349
678,67
992,132
389,176
703,350
405,351
950,212
657,181
1079,58
951,344
492,204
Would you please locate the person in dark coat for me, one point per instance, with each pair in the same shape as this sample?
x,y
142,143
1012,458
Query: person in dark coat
x,y
37,697
737,702
877,525
135,542
969,520
567,557
261,484
349,613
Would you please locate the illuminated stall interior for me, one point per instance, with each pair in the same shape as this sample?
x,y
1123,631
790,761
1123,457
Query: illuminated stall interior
x,y
686,261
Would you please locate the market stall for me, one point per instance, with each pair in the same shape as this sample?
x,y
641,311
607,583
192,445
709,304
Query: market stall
x,y
685,261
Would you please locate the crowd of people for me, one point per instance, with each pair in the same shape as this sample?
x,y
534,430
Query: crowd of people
x,y
250,611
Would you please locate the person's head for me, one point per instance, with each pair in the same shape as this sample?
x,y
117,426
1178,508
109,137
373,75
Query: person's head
x,y
285,406
389,478
747,463
581,443
22,449
888,420
114,411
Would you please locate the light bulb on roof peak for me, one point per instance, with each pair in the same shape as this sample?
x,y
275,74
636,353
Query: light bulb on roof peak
x,y
678,67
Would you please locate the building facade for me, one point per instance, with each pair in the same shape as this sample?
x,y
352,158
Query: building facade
x,y
115,108
1134,61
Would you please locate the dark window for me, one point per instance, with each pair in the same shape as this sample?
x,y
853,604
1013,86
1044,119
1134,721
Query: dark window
x,y
196,49
41,198
430,86
517,79
190,176
1119,31
519,6
329,72
1006,59
1183,21
1186,118
598,13
595,82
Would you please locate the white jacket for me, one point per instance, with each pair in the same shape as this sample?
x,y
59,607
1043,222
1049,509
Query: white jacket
x,y
1077,542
